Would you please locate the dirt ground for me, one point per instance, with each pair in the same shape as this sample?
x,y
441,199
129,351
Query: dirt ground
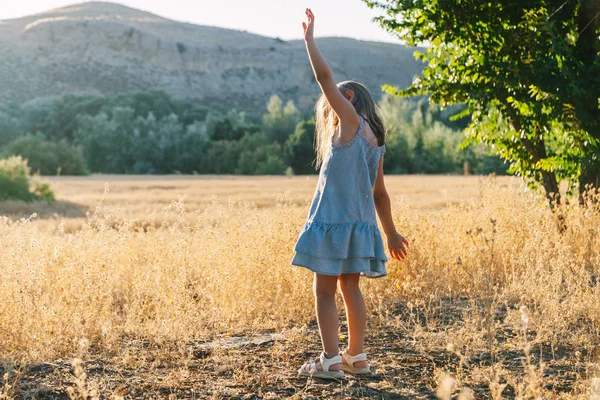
x,y
263,365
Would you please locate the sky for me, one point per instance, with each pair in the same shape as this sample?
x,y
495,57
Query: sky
x,y
274,18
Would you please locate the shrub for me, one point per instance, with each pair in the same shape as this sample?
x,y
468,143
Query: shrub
x,y
15,182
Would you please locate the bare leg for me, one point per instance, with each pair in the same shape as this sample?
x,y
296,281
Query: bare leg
x,y
324,287
356,314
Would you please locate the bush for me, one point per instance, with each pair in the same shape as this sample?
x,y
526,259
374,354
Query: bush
x,y
47,158
15,182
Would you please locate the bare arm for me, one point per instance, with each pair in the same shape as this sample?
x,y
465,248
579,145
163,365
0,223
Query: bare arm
x,y
396,243
383,204
340,104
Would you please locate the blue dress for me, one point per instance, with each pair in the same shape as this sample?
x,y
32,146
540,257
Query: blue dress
x,y
341,234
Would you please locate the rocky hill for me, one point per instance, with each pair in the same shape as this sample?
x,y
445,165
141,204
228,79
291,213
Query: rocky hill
x,y
99,48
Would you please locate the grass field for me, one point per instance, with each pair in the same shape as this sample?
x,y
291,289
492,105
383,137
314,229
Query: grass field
x,y
181,287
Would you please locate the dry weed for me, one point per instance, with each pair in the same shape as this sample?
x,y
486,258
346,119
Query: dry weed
x,y
490,280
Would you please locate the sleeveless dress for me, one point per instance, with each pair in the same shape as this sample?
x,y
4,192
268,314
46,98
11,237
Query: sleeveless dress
x,y
341,234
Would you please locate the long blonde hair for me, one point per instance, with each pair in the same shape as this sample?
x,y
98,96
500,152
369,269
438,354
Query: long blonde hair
x,y
327,120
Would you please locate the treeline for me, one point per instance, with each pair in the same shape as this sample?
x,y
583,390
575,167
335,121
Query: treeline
x,y
154,133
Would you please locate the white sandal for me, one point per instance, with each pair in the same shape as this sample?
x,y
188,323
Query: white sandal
x,y
351,360
312,370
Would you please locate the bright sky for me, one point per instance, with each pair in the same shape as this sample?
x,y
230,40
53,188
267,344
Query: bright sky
x,y
274,18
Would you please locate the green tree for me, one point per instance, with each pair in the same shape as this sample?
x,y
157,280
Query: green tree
x,y
525,70
280,121
10,126
221,157
59,121
231,125
124,143
109,142
298,150
257,157
47,158
157,102
418,142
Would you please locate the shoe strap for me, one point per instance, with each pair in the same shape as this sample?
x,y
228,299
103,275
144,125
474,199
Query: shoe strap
x,y
328,362
352,359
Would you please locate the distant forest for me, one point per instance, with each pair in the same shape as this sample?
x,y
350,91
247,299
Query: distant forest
x,y
153,133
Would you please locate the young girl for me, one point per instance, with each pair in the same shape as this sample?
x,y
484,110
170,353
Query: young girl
x,y
340,240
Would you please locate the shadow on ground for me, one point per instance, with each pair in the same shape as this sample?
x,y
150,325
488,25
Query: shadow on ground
x,y
263,365
16,210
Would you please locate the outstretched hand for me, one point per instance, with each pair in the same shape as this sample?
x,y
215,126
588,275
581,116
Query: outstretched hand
x,y
309,27
397,245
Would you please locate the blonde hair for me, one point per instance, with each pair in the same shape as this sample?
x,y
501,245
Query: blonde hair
x,y
327,120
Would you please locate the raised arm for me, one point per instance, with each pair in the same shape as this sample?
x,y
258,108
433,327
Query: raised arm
x,y
340,104
396,243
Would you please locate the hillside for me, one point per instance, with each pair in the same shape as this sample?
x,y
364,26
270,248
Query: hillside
x,y
100,48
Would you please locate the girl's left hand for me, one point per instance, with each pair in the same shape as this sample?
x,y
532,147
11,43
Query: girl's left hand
x,y
397,245
309,28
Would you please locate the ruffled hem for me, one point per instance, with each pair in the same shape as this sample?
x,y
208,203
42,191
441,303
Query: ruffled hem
x,y
341,241
367,267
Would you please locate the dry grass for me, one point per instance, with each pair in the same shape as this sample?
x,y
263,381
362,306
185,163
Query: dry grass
x,y
493,301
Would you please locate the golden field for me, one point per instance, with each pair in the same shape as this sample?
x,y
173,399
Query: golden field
x,y
181,287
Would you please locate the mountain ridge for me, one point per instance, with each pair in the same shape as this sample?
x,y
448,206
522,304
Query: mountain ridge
x,y
106,48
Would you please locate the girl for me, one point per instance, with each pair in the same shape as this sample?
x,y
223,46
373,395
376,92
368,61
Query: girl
x,y
340,240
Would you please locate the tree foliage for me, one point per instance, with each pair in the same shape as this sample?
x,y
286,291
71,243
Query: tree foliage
x,y
280,121
153,133
420,141
299,152
125,143
528,72
45,157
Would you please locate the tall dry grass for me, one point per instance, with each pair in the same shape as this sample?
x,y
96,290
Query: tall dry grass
x,y
490,274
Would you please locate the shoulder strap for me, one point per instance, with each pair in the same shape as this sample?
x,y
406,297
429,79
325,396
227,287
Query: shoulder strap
x,y
361,125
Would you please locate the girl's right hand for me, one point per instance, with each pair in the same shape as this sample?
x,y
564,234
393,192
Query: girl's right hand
x,y
397,245
309,28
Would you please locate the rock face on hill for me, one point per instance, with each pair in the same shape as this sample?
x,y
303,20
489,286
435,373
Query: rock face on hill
x,y
101,48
